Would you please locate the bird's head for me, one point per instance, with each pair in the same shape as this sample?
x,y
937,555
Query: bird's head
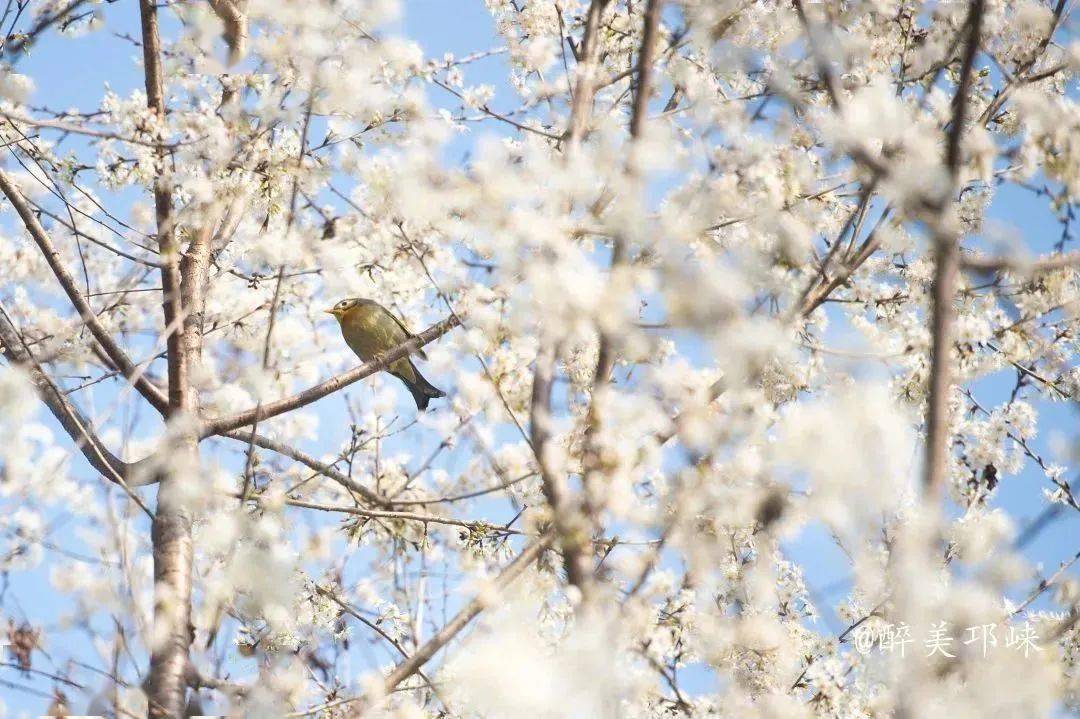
x,y
342,308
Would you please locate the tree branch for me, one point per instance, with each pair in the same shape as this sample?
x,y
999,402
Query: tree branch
x,y
403,516
1045,584
233,13
510,572
74,422
945,272
574,543
115,353
584,80
223,425
321,467
345,607
1021,265
68,128
646,58
414,663
572,537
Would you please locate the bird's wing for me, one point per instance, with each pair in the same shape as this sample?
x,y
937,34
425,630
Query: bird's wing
x,y
418,352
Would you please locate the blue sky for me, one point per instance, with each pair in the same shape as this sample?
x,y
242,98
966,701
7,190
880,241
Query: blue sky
x,y
73,74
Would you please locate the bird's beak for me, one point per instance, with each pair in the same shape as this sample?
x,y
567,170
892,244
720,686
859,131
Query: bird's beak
x,y
331,311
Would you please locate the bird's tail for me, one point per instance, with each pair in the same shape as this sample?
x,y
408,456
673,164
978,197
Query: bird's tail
x,y
421,390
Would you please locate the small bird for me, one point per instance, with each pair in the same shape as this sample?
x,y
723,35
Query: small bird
x,y
371,330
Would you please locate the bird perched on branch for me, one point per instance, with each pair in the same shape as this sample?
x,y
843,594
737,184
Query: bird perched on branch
x,y
371,331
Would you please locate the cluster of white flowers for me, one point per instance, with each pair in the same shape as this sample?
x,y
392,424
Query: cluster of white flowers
x,y
694,356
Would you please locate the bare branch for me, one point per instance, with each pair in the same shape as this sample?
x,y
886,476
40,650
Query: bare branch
x,y
404,516
373,627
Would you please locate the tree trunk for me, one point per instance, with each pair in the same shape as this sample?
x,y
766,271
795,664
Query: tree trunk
x,y
171,535
172,601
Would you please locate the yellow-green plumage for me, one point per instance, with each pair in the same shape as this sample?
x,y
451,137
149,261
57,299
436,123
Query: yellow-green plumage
x,y
371,330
